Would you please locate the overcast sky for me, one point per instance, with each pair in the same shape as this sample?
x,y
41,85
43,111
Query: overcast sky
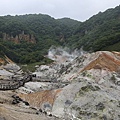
x,y
76,9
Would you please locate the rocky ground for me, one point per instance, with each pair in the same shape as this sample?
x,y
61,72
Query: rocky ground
x,y
85,88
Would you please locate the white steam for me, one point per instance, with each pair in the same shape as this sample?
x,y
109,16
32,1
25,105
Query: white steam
x,y
60,54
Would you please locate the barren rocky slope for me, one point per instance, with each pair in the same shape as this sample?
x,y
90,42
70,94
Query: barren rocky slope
x,y
93,91
11,109
86,88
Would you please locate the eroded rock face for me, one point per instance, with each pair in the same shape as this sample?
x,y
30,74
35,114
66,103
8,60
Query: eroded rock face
x,y
88,100
2,61
19,38
104,60
41,100
8,68
93,91
86,88
21,110
5,60
102,63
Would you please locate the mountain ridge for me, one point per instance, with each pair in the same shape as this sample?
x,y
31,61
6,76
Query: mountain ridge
x,y
100,32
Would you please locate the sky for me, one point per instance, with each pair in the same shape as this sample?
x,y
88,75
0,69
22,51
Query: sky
x,y
75,9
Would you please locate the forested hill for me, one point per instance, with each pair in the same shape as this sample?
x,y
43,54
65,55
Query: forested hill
x,y
39,25
100,32
27,38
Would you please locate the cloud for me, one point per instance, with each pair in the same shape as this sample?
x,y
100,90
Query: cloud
x,y
76,9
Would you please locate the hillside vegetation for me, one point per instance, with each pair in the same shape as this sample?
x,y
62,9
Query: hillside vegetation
x,y
27,38
100,32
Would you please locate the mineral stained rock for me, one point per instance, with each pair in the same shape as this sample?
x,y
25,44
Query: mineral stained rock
x,y
93,91
86,88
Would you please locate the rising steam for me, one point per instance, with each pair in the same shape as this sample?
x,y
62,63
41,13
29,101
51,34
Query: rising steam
x,y
61,54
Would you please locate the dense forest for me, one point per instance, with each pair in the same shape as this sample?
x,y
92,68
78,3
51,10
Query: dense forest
x,y
15,32
100,32
27,38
